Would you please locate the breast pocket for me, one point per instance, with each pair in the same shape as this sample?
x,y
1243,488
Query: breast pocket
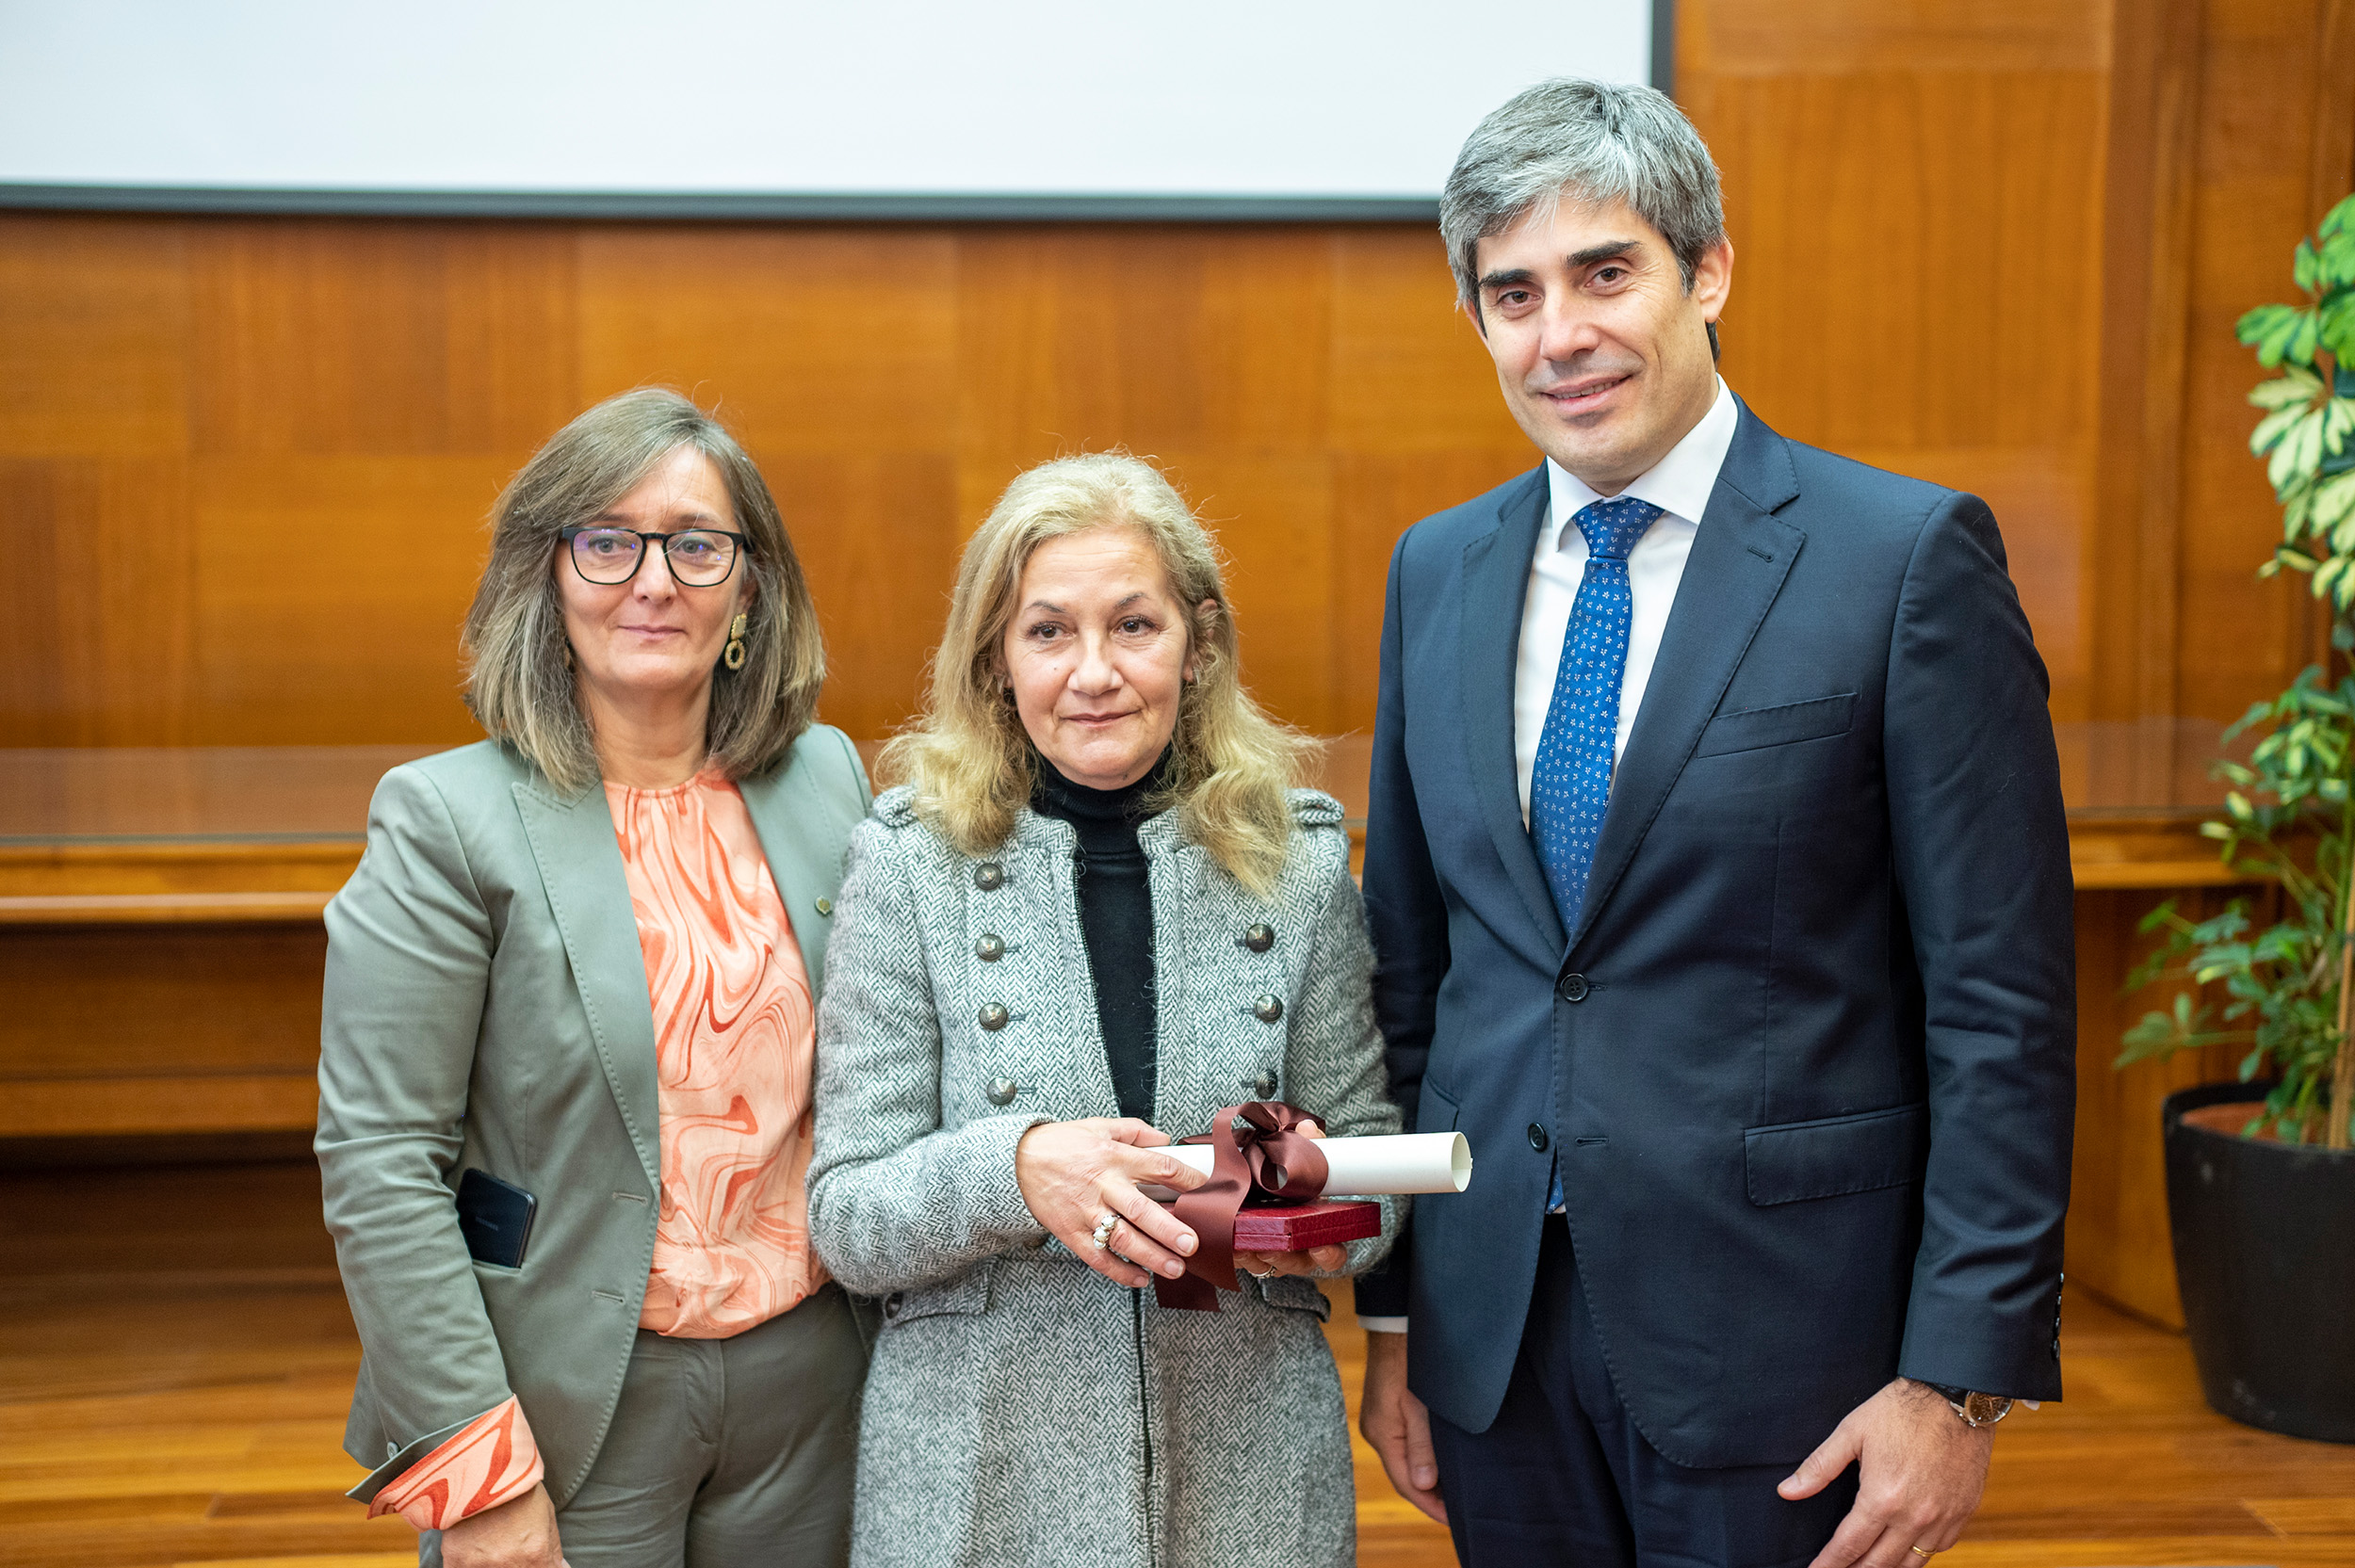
x,y
1784,724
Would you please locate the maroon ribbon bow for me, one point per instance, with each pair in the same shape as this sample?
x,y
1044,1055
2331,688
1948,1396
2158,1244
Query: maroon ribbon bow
x,y
1257,1160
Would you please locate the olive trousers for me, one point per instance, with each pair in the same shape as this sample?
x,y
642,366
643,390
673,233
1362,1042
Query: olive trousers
x,y
725,1453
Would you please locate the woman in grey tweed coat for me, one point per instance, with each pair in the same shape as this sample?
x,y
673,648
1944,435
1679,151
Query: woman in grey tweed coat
x,y
992,1003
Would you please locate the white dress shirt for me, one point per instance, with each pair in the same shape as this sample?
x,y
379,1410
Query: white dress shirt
x,y
1680,485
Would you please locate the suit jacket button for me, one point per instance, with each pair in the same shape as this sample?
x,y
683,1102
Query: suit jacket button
x,y
994,1016
1002,1091
892,1303
825,906
1571,988
1537,1137
1263,1086
1258,938
990,948
989,876
1267,1010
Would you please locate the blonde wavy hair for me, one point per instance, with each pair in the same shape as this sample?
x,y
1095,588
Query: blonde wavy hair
x,y
519,676
967,757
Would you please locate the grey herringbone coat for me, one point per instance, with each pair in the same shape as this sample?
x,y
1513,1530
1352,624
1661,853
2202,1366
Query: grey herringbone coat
x,y
1021,1408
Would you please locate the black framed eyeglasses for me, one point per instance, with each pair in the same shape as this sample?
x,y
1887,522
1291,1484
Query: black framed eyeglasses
x,y
699,558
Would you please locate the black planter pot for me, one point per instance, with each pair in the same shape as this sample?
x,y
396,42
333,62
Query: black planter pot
x,y
2265,1253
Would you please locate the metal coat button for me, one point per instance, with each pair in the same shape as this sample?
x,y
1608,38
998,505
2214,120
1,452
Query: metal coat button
x,y
1002,1091
990,948
994,1016
1259,938
989,876
1571,988
1267,1010
1264,1085
1537,1137
825,906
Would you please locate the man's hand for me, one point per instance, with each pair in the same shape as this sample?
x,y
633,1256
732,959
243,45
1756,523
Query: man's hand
x,y
1399,1428
1920,1470
519,1534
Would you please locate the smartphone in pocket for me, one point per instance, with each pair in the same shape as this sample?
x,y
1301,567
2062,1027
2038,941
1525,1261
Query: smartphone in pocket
x,y
495,1218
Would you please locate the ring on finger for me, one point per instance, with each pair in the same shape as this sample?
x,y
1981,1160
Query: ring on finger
x,y
1106,1224
1920,1553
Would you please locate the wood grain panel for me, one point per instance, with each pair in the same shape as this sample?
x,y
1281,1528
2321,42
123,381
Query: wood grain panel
x,y
102,1005
803,338
1409,373
329,594
103,633
878,539
1796,38
2261,95
94,324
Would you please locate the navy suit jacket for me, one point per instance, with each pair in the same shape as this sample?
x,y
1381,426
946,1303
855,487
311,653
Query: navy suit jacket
x,y
1806,1056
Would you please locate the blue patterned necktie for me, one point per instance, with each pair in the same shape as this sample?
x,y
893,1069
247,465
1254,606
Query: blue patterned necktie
x,y
1572,783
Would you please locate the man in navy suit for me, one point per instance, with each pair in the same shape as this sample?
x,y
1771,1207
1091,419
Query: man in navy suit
x,y
1720,893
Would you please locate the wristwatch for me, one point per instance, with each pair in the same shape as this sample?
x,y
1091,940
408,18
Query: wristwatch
x,y
1977,1410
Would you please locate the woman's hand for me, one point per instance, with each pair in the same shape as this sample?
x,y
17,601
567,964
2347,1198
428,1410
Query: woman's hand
x,y
1072,1174
1317,1260
519,1534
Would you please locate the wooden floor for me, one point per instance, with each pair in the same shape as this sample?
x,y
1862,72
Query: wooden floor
x,y
184,1419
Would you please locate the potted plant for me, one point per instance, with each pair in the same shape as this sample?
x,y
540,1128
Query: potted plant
x,y
2260,1176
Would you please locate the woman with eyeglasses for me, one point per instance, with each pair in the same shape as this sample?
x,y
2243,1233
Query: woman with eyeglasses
x,y
566,1056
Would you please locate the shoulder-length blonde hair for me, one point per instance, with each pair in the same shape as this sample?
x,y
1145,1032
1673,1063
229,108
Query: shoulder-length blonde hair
x,y
519,677
969,759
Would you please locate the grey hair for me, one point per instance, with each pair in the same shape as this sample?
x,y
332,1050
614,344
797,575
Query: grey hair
x,y
519,676
1586,142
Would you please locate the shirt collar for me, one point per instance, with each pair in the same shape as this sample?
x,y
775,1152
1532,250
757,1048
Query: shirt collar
x,y
1678,484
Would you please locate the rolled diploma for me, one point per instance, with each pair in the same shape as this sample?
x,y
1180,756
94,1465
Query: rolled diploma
x,y
1370,1167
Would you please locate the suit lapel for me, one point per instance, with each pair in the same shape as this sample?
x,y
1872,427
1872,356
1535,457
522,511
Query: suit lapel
x,y
805,864
1496,586
1740,555
580,866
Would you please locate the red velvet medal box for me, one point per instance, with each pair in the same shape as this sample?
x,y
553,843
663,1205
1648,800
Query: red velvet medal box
x,y
1297,1227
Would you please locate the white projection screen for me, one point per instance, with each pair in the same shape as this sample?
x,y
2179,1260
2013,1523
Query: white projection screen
x,y
1025,107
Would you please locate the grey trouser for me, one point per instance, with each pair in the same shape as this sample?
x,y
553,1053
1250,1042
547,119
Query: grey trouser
x,y
725,1453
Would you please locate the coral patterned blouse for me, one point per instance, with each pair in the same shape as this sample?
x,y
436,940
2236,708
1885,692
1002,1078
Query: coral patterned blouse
x,y
735,1047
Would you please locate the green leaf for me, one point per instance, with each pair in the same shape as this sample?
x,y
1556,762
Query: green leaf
x,y
2338,420
2274,426
2296,384
2303,267
2334,323
2300,452
2279,332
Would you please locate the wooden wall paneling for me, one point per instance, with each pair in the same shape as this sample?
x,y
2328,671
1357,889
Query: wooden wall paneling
x,y
2333,176
101,649
94,321
1416,425
1914,211
153,1029
2147,237
877,535
805,338
329,592
2240,639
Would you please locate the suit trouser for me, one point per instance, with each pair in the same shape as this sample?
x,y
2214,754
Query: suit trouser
x,y
1563,1476
725,1453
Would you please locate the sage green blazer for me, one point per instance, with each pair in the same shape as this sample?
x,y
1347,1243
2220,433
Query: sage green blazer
x,y
486,1008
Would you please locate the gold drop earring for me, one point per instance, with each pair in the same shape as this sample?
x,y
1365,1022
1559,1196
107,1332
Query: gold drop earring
x,y
733,654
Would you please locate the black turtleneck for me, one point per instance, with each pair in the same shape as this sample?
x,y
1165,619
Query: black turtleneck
x,y
1115,919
